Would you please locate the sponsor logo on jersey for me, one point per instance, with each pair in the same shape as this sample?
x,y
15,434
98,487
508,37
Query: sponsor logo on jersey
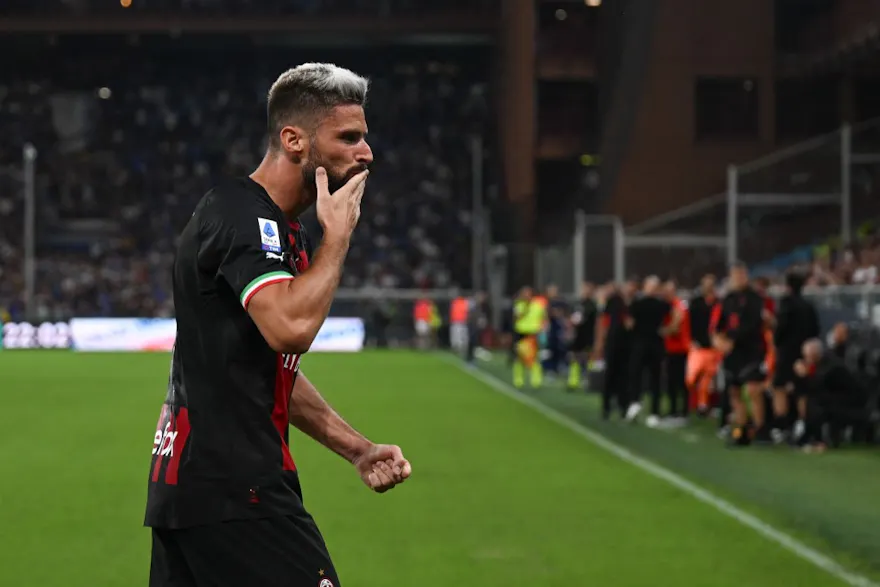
x,y
269,235
270,255
163,441
291,362
172,432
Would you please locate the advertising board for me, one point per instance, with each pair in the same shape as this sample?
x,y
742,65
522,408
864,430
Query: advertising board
x,y
158,334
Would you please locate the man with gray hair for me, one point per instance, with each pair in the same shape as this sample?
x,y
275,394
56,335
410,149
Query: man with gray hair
x,y
224,499
828,393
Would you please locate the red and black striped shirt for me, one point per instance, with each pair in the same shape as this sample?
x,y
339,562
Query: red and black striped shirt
x,y
220,450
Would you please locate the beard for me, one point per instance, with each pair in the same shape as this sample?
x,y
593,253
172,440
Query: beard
x,y
335,178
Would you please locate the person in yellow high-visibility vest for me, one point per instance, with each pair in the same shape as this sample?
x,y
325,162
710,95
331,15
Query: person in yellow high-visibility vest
x,y
529,316
436,320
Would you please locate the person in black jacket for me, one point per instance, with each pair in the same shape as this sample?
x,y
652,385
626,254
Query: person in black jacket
x,y
739,336
796,322
648,313
613,343
830,393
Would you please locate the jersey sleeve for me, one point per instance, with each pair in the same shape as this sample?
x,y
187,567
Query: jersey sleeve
x,y
243,244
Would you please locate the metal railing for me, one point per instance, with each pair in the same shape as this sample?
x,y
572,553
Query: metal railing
x,y
775,209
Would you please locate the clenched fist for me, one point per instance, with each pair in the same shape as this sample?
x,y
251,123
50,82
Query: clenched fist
x,y
382,467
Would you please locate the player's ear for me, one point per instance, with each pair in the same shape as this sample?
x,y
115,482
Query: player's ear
x,y
295,142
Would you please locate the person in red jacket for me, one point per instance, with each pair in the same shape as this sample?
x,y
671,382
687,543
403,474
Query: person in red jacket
x,y
677,342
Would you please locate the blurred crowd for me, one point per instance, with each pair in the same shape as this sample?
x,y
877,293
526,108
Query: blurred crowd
x,y
128,140
853,265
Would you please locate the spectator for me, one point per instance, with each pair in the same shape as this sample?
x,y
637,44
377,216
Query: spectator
x,y
838,339
866,272
129,140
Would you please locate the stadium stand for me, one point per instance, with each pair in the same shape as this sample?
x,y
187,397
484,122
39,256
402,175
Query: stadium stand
x,y
129,139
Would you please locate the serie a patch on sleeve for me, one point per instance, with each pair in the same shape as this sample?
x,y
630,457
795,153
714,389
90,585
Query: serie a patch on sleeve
x,y
270,239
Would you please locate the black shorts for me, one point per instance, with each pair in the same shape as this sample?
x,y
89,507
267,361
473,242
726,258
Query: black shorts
x,y
784,375
739,370
269,552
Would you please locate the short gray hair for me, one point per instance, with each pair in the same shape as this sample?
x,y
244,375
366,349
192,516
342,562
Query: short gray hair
x,y
813,345
303,94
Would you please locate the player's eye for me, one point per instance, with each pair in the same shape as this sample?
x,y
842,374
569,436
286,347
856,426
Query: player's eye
x,y
352,137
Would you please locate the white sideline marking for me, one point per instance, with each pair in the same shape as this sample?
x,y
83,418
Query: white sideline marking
x,y
746,519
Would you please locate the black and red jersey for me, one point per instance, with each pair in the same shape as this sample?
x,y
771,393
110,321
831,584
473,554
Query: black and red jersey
x,y
740,318
220,449
701,309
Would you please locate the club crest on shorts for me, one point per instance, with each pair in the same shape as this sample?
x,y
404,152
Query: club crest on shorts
x,y
270,239
326,583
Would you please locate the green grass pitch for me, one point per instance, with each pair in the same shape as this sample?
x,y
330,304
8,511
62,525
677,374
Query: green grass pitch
x,y
499,495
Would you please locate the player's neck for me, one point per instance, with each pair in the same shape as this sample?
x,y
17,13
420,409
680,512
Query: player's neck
x,y
283,182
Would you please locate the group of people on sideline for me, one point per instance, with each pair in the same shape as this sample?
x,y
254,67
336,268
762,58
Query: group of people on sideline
x,y
756,362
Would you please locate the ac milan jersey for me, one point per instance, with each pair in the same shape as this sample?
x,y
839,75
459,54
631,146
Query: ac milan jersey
x,y
220,449
740,318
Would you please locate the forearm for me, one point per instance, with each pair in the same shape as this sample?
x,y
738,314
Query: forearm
x,y
309,412
310,295
677,318
674,325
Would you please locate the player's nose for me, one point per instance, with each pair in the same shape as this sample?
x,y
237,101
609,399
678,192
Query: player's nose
x,y
365,154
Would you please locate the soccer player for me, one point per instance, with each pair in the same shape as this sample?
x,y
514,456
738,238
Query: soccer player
x,y
739,336
224,499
